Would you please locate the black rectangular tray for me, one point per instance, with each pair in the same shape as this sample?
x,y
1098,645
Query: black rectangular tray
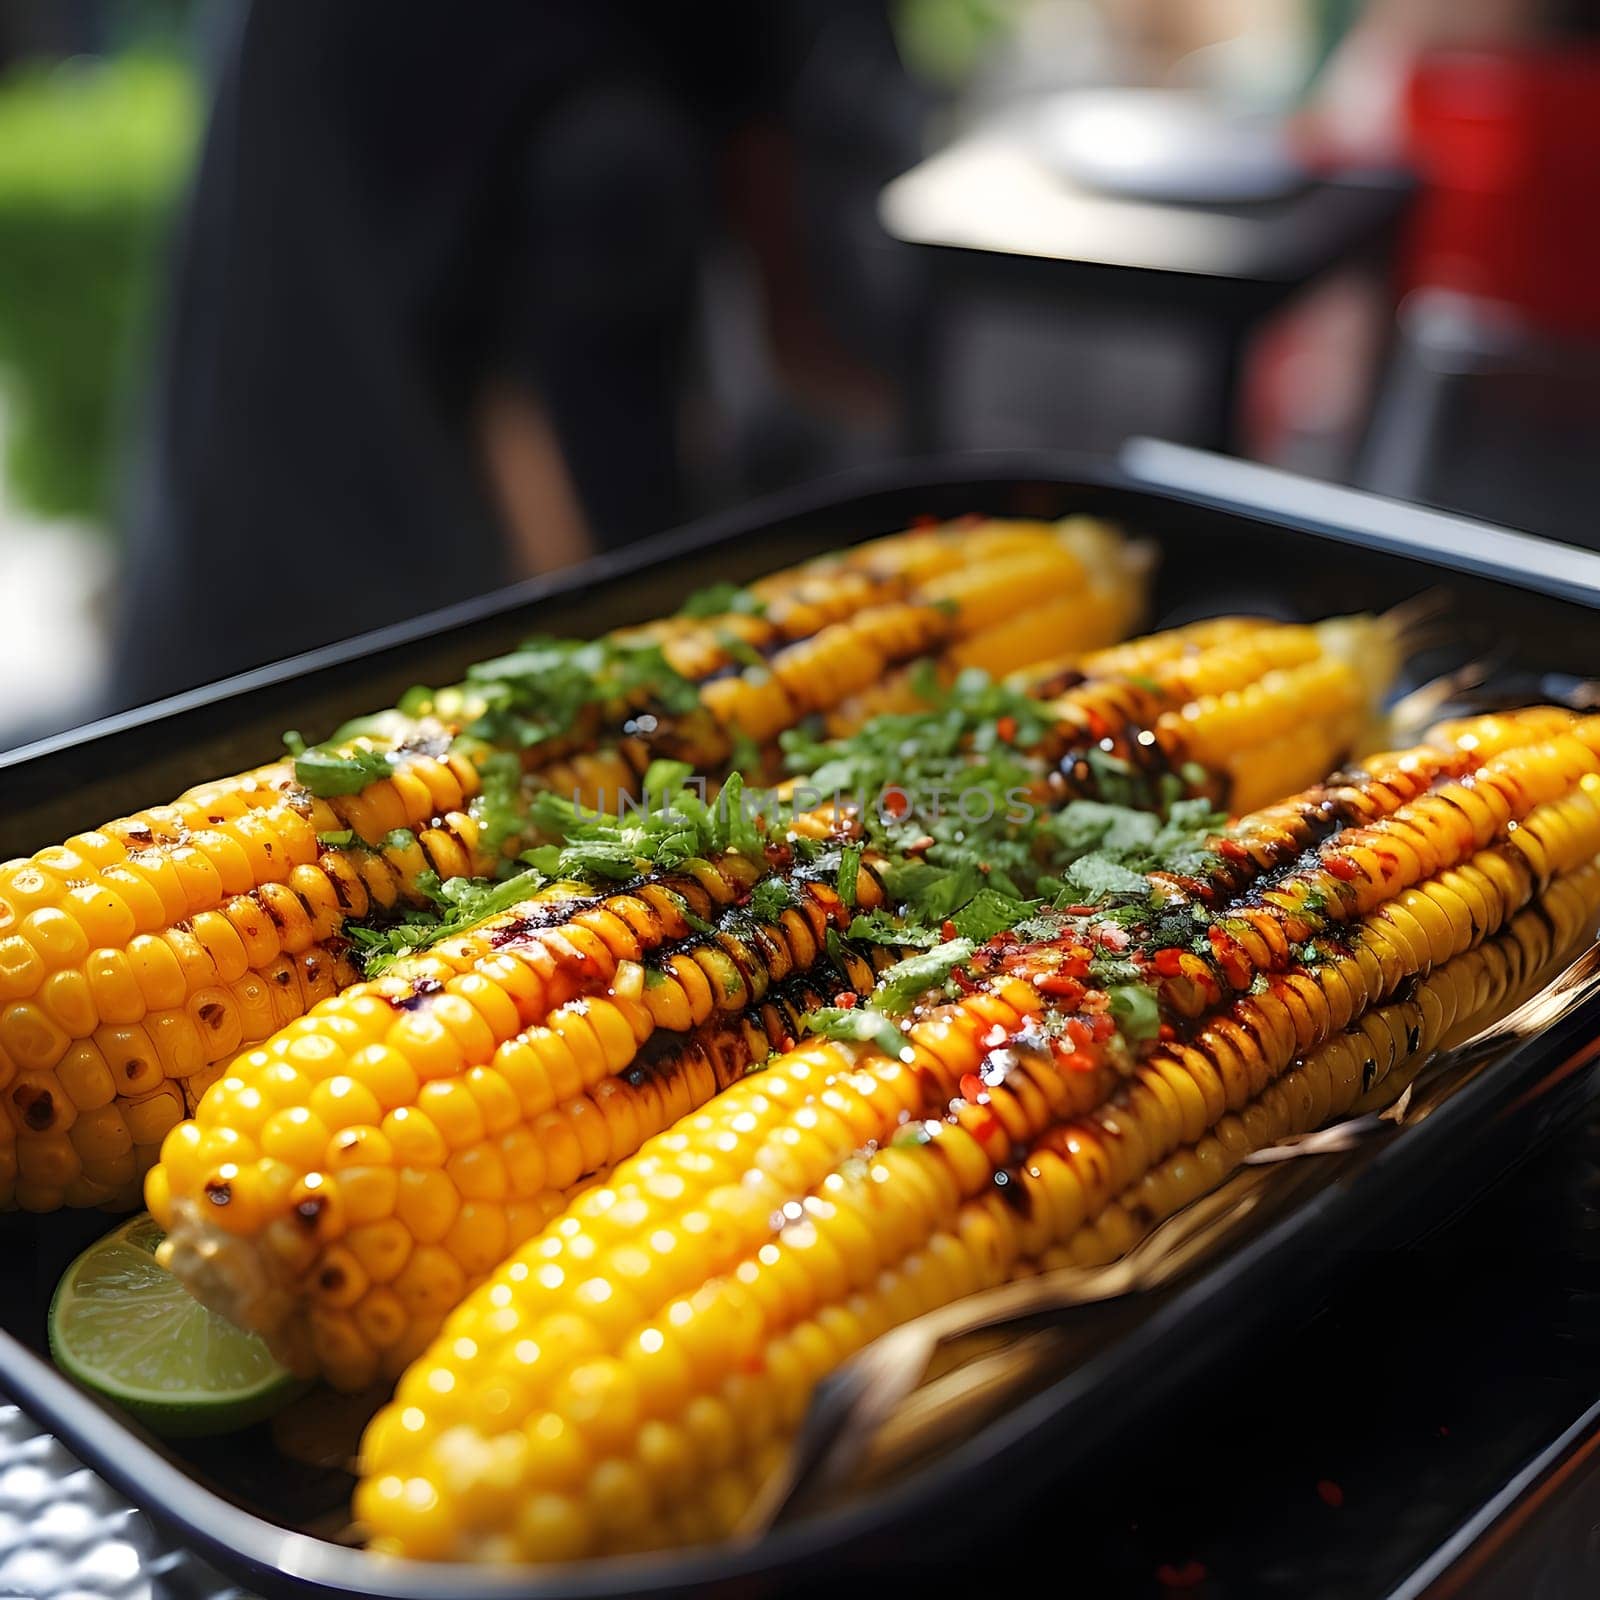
x,y
1231,538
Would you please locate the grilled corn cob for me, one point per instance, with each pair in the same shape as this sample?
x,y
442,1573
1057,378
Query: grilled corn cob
x,y
1364,1068
176,937
471,1023
629,1378
756,675
348,1183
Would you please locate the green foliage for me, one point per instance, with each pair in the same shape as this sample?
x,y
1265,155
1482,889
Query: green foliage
x,y
91,159
944,40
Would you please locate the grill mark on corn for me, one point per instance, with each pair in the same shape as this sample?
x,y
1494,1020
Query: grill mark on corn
x,y
814,916
422,990
1504,962
1316,824
516,928
37,1107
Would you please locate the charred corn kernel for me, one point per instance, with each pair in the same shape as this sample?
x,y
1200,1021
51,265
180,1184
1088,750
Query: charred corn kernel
x,y
311,901
145,1074
1241,714
466,1092
1362,1068
921,1178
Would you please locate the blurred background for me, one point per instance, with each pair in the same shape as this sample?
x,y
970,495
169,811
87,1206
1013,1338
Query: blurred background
x,y
317,317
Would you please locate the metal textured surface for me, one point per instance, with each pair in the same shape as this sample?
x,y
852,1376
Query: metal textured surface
x,y
66,1534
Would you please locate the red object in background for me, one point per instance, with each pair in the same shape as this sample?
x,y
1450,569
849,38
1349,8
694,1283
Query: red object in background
x,y
1507,145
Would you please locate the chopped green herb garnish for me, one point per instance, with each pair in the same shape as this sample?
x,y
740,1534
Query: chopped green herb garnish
x,y
849,873
328,773
721,599
880,927
989,912
860,1024
1134,1007
500,801
1094,877
907,981
772,897
336,839
459,903
689,915
740,650
539,691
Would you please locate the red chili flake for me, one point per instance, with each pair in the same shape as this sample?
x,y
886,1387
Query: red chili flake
x,y
1235,964
1079,1032
1330,1493
1168,1033
845,999
1343,868
896,803
1169,963
1006,727
947,929
964,979
1059,984
1189,1576
972,1088
1232,850
1104,1026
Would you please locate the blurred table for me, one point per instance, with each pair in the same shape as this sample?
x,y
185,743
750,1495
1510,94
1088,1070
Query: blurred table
x,y
65,1534
997,219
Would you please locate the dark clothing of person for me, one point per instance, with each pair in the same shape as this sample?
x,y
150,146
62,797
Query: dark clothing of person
x,y
395,205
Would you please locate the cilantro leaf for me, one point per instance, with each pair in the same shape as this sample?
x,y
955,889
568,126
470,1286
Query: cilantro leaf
x,y
1098,876
721,599
459,903
989,912
880,927
859,1024
1137,1015
901,985
327,773
849,872
771,898
500,801
541,690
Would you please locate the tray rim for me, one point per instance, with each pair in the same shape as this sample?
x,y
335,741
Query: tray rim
x,y
1199,479
265,1552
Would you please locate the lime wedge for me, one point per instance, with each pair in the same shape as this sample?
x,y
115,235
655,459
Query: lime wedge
x,y
122,1325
